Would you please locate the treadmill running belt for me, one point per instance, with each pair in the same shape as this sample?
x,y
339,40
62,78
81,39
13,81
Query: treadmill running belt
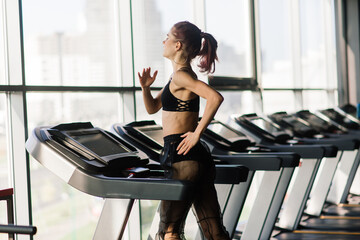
x,y
332,224
342,211
318,235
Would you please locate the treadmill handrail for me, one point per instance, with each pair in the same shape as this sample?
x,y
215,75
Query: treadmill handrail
x,y
261,161
17,229
308,151
271,163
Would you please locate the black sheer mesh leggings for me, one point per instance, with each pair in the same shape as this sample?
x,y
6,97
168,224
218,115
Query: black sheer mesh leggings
x,y
204,204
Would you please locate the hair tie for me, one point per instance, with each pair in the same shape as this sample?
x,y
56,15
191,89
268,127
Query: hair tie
x,y
202,34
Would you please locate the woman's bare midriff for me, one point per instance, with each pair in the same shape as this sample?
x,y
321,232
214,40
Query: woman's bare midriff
x,y
179,122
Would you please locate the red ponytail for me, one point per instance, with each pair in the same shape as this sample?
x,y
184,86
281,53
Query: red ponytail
x,y
208,53
197,43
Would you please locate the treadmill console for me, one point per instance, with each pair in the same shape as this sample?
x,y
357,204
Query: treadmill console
x,y
144,135
101,164
147,136
319,123
341,119
298,126
226,137
349,109
271,131
90,148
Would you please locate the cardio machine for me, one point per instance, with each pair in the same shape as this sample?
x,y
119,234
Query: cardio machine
x,y
331,167
347,167
268,133
99,163
228,147
348,120
274,137
147,136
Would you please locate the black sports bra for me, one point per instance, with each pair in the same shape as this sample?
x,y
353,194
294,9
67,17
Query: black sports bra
x,y
173,104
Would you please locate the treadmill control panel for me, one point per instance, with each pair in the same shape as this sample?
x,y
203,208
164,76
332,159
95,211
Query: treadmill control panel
x,y
341,119
92,149
298,126
319,123
264,128
226,137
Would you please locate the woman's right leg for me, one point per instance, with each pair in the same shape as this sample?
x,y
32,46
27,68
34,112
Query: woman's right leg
x,y
207,211
206,205
173,213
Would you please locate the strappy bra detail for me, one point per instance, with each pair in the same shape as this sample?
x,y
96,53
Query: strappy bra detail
x,y
173,104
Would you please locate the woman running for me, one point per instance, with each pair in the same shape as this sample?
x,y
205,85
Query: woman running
x,y
184,156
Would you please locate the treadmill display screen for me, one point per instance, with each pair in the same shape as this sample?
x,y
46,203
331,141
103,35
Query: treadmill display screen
x,y
98,142
340,119
316,121
337,117
332,114
225,132
265,125
296,124
155,133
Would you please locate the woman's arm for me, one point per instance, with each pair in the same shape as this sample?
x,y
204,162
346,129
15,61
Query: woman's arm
x,y
213,102
152,105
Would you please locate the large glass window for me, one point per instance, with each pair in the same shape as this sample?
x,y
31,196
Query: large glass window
x,y
297,51
2,48
230,23
70,42
59,211
82,43
57,207
102,109
152,20
141,113
235,103
4,169
275,47
4,161
317,44
311,100
313,55
273,101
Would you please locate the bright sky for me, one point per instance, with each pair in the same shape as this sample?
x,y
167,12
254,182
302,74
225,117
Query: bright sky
x,y
49,16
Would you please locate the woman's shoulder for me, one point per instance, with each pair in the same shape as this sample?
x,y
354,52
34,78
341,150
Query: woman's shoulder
x,y
182,78
188,70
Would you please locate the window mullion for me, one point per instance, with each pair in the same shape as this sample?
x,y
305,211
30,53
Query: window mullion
x,y
19,161
16,120
127,58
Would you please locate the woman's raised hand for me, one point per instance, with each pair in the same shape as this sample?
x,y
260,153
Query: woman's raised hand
x,y
146,79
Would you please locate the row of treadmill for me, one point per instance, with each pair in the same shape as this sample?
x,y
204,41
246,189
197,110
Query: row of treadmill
x,y
300,168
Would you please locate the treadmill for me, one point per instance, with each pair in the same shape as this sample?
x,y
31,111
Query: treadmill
x,y
309,228
273,184
349,109
346,169
147,136
304,132
351,112
229,146
338,116
99,163
267,133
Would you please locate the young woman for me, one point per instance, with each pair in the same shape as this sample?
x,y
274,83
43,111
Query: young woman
x,y
184,156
